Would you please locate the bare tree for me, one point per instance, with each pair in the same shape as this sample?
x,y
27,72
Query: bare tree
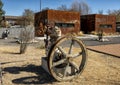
x,y
28,17
116,13
113,12
26,35
63,7
75,6
100,11
81,7
85,9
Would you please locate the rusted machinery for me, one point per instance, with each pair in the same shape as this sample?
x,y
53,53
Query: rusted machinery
x,y
65,56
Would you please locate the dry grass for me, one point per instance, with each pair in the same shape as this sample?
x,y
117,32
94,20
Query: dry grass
x,y
25,69
94,33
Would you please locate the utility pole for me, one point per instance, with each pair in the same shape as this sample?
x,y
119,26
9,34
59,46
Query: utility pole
x,y
40,5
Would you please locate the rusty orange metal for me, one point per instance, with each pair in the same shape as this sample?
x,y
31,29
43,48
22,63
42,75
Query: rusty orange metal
x,y
96,22
70,19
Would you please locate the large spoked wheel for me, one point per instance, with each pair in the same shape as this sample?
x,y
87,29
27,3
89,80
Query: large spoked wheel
x,y
67,58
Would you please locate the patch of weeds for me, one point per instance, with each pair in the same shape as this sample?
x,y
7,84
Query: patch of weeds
x,y
41,46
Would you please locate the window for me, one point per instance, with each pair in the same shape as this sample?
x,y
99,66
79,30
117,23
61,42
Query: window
x,y
105,26
118,26
65,25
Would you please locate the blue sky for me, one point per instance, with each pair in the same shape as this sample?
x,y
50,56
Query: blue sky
x,y
16,7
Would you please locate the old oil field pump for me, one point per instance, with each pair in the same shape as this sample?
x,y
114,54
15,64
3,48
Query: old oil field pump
x,y
65,56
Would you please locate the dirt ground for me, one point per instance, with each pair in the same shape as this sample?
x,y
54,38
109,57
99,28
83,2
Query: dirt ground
x,y
25,69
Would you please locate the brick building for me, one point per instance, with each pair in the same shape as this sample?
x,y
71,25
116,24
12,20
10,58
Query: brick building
x,y
67,21
97,22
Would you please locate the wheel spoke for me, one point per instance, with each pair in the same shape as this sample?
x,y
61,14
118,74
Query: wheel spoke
x,y
58,62
74,65
71,45
66,69
60,49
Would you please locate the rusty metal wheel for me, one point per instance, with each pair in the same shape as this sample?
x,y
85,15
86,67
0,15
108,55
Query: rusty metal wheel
x,y
67,58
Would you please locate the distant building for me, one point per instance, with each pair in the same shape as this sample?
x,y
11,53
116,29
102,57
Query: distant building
x,y
73,22
67,21
97,22
13,20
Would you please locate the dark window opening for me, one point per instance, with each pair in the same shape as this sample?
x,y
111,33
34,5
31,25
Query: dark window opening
x,y
105,26
65,25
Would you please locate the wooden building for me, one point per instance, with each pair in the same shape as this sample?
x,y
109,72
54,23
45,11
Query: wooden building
x,y
97,22
67,21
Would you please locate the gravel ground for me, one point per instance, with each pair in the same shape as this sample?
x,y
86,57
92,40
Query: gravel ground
x,y
25,69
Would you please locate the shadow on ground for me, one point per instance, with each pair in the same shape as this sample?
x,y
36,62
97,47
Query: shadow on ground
x,y
5,52
42,76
